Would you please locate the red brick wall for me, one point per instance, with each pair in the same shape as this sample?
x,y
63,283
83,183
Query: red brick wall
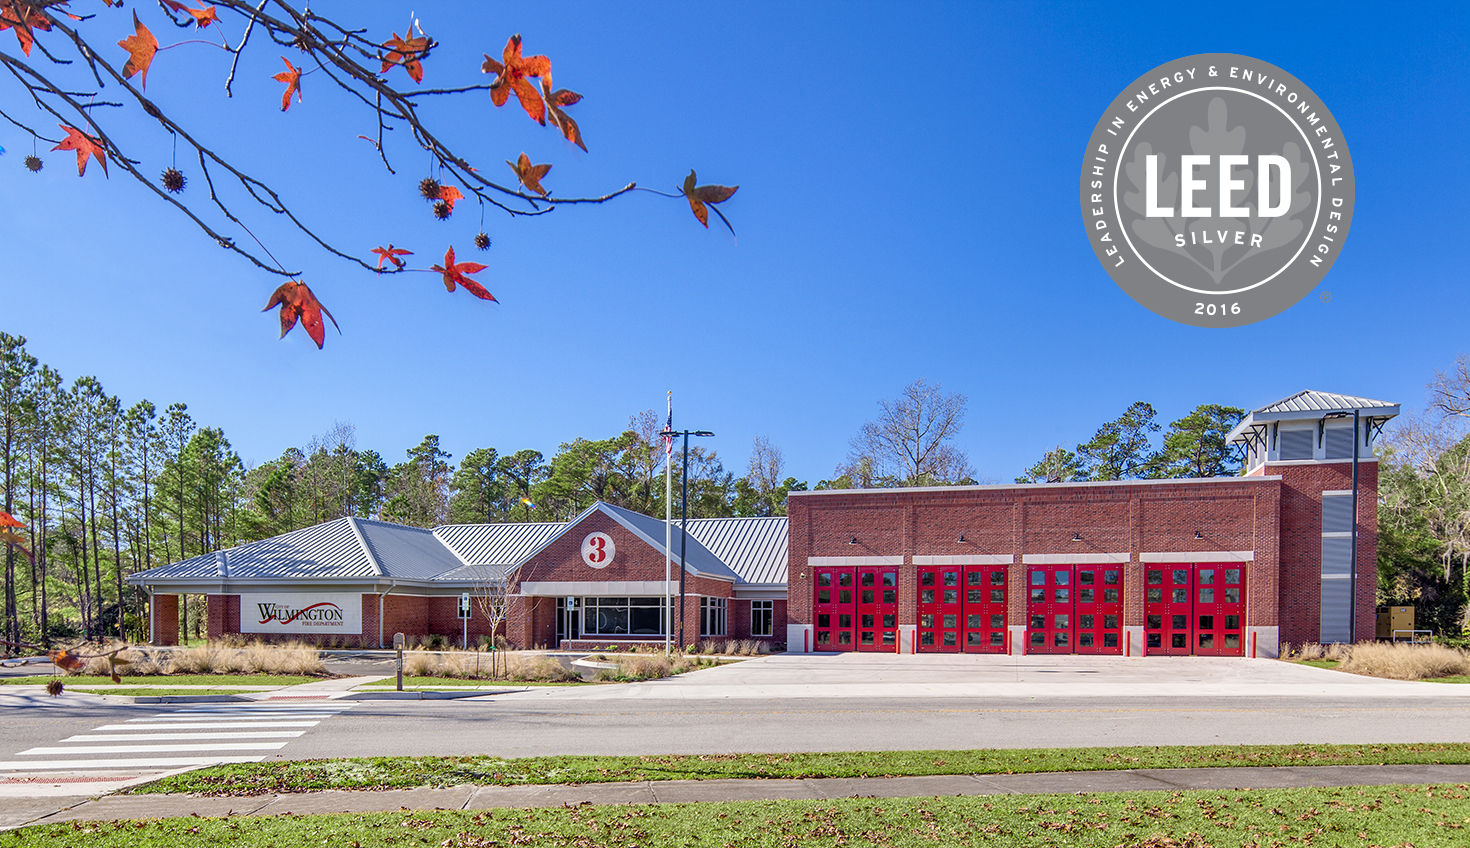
x,y
1301,544
165,612
1229,515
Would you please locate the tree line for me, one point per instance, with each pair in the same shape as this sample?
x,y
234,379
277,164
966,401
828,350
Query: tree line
x,y
105,489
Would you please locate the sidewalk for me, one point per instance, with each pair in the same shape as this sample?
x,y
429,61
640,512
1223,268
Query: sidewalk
x,y
18,812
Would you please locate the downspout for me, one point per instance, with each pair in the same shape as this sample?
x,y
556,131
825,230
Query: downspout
x,y
381,595
148,590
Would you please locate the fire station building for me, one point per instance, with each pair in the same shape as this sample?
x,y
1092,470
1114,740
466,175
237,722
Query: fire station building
x,y
1226,566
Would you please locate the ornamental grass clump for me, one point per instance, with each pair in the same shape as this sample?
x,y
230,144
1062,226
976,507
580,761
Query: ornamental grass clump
x,y
1401,661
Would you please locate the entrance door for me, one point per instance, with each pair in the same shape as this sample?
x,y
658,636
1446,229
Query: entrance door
x,y
877,608
939,608
1168,609
835,607
985,609
1099,609
1050,624
568,621
1219,610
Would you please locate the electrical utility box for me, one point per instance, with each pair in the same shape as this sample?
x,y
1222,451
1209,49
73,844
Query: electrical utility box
x,y
1394,618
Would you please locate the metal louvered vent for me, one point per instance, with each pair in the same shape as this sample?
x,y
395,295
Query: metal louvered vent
x,y
1297,444
1340,443
1337,513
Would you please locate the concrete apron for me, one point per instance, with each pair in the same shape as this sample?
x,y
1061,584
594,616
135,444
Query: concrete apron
x,y
48,811
919,676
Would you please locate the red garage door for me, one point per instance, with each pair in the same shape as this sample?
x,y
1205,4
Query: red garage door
x,y
985,609
855,608
1099,609
1194,608
1050,617
877,608
835,607
939,608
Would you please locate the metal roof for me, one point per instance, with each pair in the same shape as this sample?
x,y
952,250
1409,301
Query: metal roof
x,y
743,550
406,553
754,548
1312,405
329,550
496,544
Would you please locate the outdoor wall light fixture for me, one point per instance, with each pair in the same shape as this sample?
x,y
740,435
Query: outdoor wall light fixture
x,y
852,541
1076,537
1198,535
961,538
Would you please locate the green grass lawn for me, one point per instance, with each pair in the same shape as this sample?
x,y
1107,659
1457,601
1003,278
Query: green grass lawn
x,y
1458,678
1319,663
210,679
1322,818
406,772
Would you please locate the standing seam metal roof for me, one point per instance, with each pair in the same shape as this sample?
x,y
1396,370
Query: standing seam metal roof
x,y
754,548
745,550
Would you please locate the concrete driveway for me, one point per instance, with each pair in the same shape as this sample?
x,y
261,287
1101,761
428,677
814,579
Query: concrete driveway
x,y
926,676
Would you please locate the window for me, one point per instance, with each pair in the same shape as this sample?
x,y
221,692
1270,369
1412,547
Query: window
x,y
622,616
712,616
762,614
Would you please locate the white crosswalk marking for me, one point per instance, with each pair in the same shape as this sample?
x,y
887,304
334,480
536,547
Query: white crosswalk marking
x,y
214,733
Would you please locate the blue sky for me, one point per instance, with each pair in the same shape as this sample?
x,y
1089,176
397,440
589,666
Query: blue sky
x,y
907,208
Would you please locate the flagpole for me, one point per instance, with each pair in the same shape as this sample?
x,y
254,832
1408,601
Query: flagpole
x,y
668,526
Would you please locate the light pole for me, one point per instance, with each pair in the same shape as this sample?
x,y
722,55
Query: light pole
x,y
683,520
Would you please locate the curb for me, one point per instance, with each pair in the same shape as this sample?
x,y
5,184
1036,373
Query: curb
x,y
439,695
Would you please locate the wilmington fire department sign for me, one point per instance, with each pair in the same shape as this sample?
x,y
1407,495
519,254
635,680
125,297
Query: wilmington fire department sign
x,y
300,612
1217,190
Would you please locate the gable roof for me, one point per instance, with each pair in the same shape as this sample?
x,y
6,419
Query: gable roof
x,y
698,559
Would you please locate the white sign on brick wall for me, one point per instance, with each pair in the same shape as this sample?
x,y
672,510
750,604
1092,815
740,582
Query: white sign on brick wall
x,y
300,612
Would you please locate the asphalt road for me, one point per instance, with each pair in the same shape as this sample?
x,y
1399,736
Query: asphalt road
x,y
825,703
511,727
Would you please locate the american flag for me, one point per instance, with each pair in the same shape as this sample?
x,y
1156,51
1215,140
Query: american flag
x,y
669,431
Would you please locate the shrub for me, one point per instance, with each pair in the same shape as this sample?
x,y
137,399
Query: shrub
x,y
639,667
1406,662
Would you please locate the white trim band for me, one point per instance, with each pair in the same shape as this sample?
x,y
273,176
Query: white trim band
x,y
967,559
1073,559
1198,556
855,560
604,588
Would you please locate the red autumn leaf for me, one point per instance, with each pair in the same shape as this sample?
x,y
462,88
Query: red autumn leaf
x,y
700,195
17,541
24,26
85,146
449,194
529,175
8,520
292,79
407,52
202,17
141,46
391,254
513,75
66,660
456,274
297,301
555,100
